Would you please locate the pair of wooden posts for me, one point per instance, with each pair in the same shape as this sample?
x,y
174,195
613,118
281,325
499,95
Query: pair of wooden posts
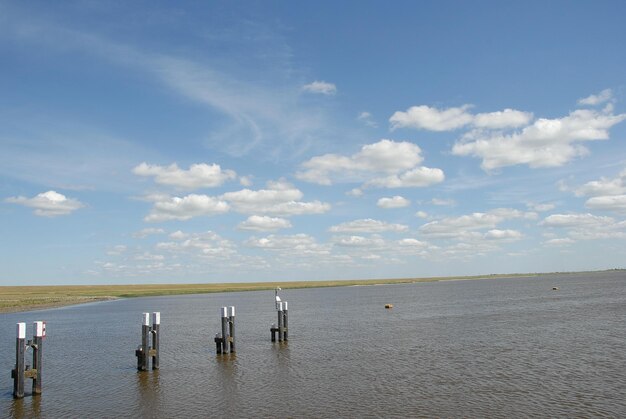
x,y
225,341
283,322
21,370
144,351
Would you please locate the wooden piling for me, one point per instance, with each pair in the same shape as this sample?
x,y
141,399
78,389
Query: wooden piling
x,y
231,323
18,372
218,343
37,355
273,330
156,338
285,321
142,353
280,322
224,312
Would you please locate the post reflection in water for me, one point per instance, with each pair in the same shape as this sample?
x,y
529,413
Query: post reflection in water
x,y
28,407
227,377
148,393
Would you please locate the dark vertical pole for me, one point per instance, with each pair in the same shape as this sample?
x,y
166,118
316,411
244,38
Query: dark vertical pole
x,y
145,332
280,322
231,322
224,312
18,376
218,343
37,356
285,321
156,323
273,330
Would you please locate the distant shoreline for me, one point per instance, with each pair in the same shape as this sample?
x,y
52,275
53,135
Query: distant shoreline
x,y
38,297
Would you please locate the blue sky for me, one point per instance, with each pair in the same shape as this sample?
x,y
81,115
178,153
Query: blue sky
x,y
253,141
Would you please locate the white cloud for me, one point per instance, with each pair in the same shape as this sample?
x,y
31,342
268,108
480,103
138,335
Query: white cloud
x,y
198,176
433,119
560,242
413,243
367,119
48,204
504,235
545,143
607,194
207,245
421,214
185,208
117,250
142,234
264,223
178,235
373,242
457,226
386,163
586,226
592,100
245,181
393,202
419,177
300,244
443,202
508,118
356,192
615,203
367,225
280,198
604,186
540,207
576,220
320,87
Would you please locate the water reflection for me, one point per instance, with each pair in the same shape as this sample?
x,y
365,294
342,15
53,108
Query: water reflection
x,y
28,407
149,393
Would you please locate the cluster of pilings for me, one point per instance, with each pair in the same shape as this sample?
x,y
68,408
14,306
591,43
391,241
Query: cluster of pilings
x,y
225,341
149,348
144,351
21,370
283,322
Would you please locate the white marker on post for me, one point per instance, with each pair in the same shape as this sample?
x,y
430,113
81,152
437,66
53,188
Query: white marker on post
x,y
231,311
21,330
156,317
146,319
224,311
38,328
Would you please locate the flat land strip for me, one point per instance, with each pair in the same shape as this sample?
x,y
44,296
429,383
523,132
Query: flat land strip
x,y
26,298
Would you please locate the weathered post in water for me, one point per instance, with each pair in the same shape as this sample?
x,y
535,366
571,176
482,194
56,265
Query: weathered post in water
x,y
18,372
281,329
37,346
142,351
225,336
156,338
231,323
218,343
285,321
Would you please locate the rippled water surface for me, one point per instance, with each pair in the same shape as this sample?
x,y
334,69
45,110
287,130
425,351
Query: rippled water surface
x,y
497,348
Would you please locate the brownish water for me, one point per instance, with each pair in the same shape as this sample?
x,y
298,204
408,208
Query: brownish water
x,y
483,348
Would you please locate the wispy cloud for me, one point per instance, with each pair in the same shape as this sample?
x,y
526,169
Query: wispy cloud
x,y
320,87
254,115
